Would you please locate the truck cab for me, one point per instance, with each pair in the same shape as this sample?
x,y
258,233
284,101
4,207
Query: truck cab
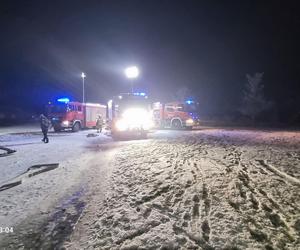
x,y
129,114
175,115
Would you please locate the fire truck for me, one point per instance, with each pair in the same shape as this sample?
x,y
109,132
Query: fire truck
x,y
74,115
176,115
129,114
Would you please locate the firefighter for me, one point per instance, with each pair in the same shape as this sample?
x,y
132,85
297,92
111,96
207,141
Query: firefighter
x,y
99,124
45,124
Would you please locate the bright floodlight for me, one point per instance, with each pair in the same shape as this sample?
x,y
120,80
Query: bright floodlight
x,y
132,72
83,75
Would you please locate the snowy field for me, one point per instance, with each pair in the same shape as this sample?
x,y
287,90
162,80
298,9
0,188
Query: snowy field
x,y
210,189
41,193
204,189
27,128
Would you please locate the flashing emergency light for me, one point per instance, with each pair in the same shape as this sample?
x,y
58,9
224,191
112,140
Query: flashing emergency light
x,y
140,94
189,101
64,100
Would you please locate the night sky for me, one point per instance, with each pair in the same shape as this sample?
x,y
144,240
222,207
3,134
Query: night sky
x,y
207,46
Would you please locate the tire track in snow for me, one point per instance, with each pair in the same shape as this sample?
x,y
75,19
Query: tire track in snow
x,y
186,187
248,192
281,174
8,151
31,171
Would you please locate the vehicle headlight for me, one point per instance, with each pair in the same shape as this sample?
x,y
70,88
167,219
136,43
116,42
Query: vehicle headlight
x,y
148,124
121,125
189,121
65,123
135,118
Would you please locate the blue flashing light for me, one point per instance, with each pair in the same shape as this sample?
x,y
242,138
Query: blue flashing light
x,y
189,101
140,94
64,100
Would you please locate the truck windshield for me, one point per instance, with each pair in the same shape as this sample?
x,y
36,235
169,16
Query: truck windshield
x,y
59,108
191,107
131,102
188,107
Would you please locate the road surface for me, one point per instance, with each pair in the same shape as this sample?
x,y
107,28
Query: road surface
x,y
204,189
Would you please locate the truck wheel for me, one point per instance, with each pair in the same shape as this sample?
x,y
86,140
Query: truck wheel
x,y
76,127
176,124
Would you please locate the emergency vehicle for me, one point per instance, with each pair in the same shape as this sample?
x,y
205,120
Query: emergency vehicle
x,y
129,114
175,115
74,115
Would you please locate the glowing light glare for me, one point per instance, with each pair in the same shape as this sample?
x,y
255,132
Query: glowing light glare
x,y
189,101
121,125
135,118
148,124
157,105
109,104
140,94
135,114
65,123
132,72
189,121
83,75
64,100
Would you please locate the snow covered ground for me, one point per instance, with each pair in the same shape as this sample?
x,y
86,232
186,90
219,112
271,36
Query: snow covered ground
x,y
27,128
204,189
210,189
41,193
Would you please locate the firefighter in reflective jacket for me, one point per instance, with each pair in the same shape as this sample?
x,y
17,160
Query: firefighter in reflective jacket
x,y
99,124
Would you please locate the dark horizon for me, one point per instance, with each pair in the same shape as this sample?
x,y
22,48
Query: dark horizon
x,y
207,47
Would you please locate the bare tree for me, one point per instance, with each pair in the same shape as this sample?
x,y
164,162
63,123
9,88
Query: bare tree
x,y
254,101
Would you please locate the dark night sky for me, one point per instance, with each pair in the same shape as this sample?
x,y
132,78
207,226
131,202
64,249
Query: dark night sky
x,y
207,46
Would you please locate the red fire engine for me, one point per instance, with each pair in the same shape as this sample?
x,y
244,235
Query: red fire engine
x,y
129,114
74,115
175,115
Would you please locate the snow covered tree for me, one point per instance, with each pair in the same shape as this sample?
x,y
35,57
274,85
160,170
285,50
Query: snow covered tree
x,y
254,101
